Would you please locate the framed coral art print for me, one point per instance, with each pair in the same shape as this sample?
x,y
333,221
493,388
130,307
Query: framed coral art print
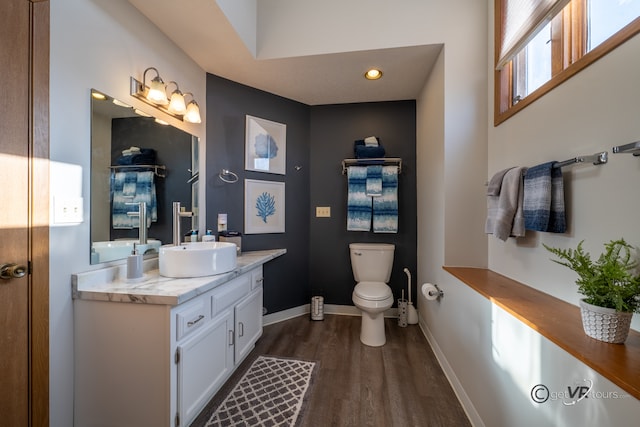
x,y
263,207
265,146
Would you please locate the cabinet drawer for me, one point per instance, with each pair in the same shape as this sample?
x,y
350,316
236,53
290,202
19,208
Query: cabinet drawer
x,y
227,294
191,317
256,278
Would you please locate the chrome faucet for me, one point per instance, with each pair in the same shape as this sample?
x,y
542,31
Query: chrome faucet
x,y
177,216
142,221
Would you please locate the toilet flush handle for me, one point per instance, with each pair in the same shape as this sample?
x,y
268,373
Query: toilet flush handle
x,y
358,253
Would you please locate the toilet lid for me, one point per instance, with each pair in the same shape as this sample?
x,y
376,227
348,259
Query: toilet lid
x,y
373,291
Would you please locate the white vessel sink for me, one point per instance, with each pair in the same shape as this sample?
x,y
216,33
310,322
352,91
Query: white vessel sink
x,y
119,249
197,259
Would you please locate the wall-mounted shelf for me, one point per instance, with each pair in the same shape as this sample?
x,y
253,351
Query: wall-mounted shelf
x,y
373,161
633,148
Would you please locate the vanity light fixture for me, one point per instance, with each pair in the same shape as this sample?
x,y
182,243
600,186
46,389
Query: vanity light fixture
x,y
193,111
176,104
157,90
373,74
156,96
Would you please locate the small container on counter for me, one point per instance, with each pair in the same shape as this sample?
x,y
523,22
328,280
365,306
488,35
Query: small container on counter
x,y
209,237
233,237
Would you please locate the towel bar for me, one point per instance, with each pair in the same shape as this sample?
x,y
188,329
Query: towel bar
x,y
373,161
159,170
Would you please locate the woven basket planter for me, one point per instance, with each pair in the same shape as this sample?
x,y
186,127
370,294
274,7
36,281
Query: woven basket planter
x,y
605,324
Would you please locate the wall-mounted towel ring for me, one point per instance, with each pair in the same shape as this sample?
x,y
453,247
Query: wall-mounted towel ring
x,y
227,176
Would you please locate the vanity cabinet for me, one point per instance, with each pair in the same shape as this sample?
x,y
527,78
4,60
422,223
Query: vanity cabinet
x,y
158,365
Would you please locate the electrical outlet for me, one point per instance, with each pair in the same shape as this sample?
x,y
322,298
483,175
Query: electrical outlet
x,y
323,212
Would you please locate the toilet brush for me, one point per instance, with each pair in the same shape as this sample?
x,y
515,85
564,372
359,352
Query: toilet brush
x,y
412,313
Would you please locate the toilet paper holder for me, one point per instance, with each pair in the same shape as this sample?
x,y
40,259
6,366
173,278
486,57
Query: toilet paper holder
x,y
432,290
438,291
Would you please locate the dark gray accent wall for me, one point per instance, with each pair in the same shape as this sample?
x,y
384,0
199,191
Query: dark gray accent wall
x,y
333,131
228,103
318,138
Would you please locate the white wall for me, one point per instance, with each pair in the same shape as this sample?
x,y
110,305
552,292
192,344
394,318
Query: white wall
x,y
492,359
94,44
592,112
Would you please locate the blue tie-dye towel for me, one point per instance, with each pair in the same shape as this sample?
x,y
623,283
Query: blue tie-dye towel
x,y
144,190
358,203
543,202
374,181
385,207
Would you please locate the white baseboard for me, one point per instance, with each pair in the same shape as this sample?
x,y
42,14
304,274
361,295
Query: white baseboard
x,y
463,398
343,310
281,316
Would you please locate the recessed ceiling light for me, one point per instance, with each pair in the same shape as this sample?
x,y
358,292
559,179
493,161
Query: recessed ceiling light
x,y
373,74
141,113
120,103
98,95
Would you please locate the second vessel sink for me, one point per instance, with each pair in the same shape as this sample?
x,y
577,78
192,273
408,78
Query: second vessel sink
x,y
197,259
119,249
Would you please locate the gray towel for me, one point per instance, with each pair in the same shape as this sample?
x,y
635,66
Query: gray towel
x,y
504,210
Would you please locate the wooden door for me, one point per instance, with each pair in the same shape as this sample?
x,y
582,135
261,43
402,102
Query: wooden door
x,y
24,242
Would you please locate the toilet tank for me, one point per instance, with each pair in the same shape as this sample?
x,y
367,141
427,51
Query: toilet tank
x,y
371,262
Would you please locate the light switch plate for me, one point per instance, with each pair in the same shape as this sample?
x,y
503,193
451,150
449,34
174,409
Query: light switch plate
x,y
323,211
67,210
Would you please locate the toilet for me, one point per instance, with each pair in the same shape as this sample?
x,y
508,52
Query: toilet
x,y
371,264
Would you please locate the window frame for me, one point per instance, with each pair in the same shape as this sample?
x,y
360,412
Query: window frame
x,y
569,39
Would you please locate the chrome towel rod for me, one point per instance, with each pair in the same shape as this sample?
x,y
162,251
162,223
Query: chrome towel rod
x,y
596,159
633,148
159,170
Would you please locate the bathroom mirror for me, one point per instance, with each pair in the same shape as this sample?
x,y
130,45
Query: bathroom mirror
x,y
135,158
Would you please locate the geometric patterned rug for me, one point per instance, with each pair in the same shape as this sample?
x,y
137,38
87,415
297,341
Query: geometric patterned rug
x,y
270,393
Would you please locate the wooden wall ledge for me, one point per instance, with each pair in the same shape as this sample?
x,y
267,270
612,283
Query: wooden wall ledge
x,y
560,322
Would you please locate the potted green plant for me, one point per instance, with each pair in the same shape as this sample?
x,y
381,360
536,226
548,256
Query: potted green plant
x,y
610,286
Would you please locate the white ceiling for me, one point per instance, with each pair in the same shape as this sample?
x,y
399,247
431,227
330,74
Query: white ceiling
x,y
202,30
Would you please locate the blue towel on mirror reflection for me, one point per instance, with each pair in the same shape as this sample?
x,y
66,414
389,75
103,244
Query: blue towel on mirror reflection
x,y
358,203
122,193
140,156
374,181
385,207
363,151
544,199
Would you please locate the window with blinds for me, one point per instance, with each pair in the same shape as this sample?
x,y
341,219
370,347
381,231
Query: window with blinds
x,y
541,43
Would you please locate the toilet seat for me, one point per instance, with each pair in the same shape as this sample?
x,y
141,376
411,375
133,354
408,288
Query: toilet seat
x,y
372,291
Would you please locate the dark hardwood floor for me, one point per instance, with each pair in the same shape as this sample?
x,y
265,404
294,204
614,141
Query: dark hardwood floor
x,y
399,384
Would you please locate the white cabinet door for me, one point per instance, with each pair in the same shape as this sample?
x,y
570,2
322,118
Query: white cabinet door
x,y
248,325
205,362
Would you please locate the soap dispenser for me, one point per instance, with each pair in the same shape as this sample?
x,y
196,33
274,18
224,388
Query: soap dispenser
x,y
134,264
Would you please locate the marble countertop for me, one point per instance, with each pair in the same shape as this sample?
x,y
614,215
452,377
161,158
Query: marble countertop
x,y
110,284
